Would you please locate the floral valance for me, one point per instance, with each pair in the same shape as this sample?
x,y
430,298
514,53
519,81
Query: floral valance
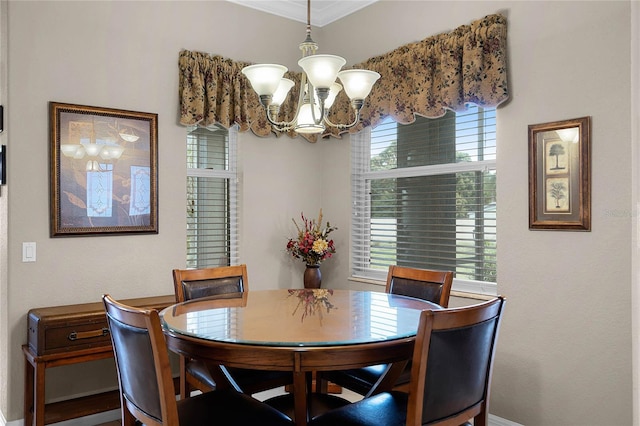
x,y
446,71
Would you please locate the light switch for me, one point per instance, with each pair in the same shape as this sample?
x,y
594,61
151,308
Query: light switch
x,y
28,252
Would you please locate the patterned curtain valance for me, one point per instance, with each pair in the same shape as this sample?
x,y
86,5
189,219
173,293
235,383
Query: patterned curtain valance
x,y
446,71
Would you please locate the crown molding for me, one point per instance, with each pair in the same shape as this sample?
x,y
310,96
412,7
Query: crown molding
x,y
323,12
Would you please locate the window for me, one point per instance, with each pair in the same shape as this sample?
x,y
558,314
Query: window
x,y
211,197
424,196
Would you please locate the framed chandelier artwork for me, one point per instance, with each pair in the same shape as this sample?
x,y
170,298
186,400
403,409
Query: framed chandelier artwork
x,y
560,175
103,171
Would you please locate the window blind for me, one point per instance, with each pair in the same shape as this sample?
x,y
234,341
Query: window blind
x,y
212,236
424,196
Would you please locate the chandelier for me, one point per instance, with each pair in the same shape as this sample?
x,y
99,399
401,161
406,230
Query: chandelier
x,y
318,88
106,149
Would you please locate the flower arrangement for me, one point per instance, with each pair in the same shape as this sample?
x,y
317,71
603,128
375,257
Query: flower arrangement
x,y
311,244
313,301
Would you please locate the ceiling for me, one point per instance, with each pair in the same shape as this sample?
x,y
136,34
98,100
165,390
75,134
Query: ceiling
x,y
323,12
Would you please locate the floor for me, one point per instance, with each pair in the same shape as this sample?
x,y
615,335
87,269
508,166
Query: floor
x,y
346,394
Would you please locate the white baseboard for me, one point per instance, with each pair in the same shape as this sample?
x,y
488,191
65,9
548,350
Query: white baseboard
x,y
95,419
499,421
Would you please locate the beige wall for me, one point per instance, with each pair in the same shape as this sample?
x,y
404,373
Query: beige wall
x,y
565,351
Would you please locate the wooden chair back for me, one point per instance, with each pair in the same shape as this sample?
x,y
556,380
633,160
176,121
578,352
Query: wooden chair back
x,y
142,361
222,286
453,365
223,282
430,285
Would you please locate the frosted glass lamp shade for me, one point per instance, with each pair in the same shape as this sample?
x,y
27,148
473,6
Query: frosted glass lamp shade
x,y
111,152
322,70
92,149
92,166
79,152
69,150
282,91
305,123
333,92
358,83
128,137
264,78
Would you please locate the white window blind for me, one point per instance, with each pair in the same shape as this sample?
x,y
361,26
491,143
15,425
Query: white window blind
x,y
212,236
424,196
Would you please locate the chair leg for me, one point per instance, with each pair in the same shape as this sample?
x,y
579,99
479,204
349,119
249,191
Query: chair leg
x,y
322,385
184,385
127,417
481,419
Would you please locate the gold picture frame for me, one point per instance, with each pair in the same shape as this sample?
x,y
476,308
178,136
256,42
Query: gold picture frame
x,y
103,171
560,175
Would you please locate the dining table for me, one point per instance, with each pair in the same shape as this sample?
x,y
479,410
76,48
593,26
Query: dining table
x,y
297,330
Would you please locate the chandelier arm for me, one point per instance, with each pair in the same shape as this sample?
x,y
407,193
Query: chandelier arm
x,y
357,105
285,126
311,93
344,126
281,126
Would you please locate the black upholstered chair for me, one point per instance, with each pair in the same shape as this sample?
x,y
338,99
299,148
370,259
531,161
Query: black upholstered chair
x,y
450,377
147,394
228,284
429,285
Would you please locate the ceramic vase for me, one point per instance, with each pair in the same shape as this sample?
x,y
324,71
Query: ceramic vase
x,y
312,276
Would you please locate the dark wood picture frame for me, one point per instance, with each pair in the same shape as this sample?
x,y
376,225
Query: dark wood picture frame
x,y
560,175
103,171
3,164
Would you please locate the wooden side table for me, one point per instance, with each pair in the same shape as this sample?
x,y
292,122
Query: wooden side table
x,y
37,413
65,335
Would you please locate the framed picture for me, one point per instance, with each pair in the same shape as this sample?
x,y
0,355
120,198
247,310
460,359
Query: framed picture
x,y
3,164
560,175
103,171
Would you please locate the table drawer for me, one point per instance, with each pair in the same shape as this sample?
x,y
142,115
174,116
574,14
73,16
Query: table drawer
x,y
47,335
75,327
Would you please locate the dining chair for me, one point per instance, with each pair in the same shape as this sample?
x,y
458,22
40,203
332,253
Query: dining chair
x,y
430,285
450,379
227,284
147,393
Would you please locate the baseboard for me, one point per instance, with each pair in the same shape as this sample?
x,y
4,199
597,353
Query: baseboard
x,y
499,421
95,419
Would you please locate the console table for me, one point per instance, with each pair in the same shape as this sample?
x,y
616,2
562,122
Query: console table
x,y
65,335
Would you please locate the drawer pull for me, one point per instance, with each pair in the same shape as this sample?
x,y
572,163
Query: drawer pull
x,y
74,335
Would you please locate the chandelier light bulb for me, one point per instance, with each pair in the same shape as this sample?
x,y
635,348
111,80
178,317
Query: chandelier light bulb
x,y
264,78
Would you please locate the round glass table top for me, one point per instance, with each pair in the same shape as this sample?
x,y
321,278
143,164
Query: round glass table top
x,y
298,317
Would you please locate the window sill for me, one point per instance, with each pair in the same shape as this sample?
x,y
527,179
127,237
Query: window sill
x,y
474,296
370,281
461,288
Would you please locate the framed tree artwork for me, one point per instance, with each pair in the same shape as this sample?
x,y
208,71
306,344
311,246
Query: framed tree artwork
x,y
560,175
103,171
